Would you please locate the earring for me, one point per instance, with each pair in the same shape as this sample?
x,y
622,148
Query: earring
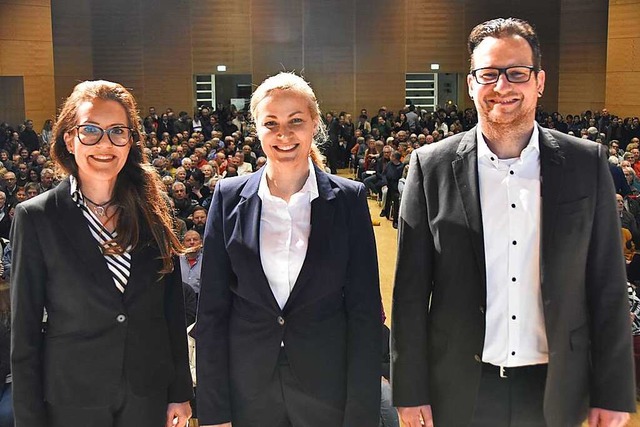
x,y
539,94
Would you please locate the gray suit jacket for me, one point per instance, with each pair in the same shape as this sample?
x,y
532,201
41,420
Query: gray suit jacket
x,y
439,301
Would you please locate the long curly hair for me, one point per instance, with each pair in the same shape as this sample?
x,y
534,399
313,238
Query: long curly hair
x,y
138,190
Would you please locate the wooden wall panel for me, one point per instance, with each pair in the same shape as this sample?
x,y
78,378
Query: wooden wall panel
x,y
72,45
583,55
623,58
435,34
118,43
12,99
380,55
355,52
277,38
221,34
329,46
26,50
167,57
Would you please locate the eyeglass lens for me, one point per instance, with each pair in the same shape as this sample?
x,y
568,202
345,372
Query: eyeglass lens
x,y
91,134
514,74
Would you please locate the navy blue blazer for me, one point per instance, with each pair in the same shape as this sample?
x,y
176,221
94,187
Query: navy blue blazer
x,y
331,323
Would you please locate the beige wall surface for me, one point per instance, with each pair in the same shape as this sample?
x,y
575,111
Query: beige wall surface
x,y
623,58
583,55
26,50
355,53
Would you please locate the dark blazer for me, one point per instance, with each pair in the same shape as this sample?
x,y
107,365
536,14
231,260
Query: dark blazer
x,y
331,323
95,335
437,346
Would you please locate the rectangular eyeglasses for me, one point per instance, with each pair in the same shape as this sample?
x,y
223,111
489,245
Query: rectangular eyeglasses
x,y
515,74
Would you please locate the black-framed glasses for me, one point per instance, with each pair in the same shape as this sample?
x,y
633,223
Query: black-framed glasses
x,y
90,134
515,74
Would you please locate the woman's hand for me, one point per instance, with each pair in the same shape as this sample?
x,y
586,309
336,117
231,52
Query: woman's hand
x,y
178,414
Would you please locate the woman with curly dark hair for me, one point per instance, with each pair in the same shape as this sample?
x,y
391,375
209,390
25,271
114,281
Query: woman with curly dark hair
x,y
97,253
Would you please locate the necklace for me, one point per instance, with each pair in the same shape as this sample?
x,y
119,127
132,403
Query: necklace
x,y
99,209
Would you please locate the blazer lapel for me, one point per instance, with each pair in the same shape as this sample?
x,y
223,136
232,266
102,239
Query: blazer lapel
x,y
318,249
74,225
465,171
248,229
551,173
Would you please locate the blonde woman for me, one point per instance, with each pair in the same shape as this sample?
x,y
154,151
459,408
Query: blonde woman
x,y
289,326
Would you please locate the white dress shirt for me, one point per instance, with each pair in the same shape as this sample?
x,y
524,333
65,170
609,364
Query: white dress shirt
x,y
510,201
284,235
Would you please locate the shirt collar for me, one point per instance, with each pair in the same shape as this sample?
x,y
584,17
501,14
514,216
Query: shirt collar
x,y
532,147
310,186
74,189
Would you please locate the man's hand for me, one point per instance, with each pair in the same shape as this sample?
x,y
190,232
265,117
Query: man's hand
x,y
599,417
178,414
218,425
416,416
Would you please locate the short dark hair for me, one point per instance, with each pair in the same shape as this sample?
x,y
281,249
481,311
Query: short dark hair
x,y
198,176
199,208
504,27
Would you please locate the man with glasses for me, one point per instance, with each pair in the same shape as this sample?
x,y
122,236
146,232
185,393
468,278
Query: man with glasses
x,y
510,304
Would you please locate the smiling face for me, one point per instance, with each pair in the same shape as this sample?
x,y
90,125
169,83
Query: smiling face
x,y
286,128
504,102
102,161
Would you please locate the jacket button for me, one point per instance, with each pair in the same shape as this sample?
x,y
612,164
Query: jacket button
x,y
477,358
121,318
482,309
280,320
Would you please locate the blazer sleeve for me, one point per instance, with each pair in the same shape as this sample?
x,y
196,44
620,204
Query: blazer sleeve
x,y
612,381
411,293
212,337
181,388
28,281
364,319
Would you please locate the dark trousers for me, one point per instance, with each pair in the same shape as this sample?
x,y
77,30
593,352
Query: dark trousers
x,y
126,410
515,401
284,403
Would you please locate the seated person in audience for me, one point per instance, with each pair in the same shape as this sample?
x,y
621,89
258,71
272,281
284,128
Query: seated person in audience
x,y
5,219
199,192
31,189
260,162
627,220
21,195
191,262
243,168
632,180
199,219
375,182
221,161
183,204
371,156
23,175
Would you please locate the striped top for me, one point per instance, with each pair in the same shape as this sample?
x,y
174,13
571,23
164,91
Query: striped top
x,y
119,264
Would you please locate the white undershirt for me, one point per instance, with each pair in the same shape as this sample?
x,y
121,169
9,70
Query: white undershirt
x,y
510,201
284,234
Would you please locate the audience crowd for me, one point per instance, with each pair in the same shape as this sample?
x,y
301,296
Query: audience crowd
x,y
192,154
